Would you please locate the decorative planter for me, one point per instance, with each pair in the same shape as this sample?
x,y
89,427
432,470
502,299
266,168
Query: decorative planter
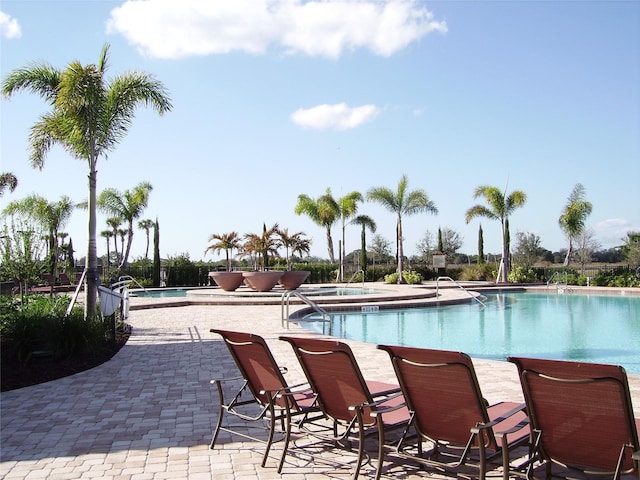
x,y
228,281
262,281
292,279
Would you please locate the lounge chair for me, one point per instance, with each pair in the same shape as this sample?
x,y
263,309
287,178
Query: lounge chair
x,y
581,416
264,394
357,408
449,412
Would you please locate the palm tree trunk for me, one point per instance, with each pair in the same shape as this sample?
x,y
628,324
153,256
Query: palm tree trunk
x,y
502,274
125,255
146,250
330,246
400,250
91,263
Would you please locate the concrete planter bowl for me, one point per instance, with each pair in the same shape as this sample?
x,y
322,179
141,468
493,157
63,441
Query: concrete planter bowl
x,y
227,281
262,281
292,279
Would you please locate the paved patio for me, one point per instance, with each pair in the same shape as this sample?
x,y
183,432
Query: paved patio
x,y
148,413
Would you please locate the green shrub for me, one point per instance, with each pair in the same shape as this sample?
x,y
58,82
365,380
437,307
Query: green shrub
x,y
410,277
521,274
617,278
484,272
38,324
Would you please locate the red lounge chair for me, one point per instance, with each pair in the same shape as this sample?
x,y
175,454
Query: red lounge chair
x,y
449,413
264,394
356,407
581,416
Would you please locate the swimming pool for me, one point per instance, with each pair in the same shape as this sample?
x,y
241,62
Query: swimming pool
x,y
593,328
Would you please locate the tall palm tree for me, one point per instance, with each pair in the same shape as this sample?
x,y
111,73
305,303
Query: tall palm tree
x,y
573,218
52,216
295,242
89,116
347,208
499,207
146,225
365,222
8,180
323,211
226,242
128,206
115,223
402,203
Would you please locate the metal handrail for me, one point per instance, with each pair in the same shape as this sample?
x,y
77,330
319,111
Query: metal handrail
x,y
459,286
354,276
126,279
560,286
284,302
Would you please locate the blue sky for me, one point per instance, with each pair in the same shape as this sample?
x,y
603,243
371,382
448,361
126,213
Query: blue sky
x,y
277,98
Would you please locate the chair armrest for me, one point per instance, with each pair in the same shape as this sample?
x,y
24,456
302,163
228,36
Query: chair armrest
x,y
228,379
287,391
482,426
381,409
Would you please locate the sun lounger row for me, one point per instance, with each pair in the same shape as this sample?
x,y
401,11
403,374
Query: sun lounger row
x,y
577,416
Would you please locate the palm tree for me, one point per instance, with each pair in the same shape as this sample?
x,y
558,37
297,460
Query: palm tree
x,y
262,245
122,233
296,243
365,222
226,242
8,180
500,207
323,211
88,117
115,223
107,234
347,208
146,225
573,218
52,216
402,203
128,206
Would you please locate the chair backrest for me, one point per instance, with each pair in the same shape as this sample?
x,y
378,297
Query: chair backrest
x,y
334,375
49,278
442,390
583,411
257,365
64,279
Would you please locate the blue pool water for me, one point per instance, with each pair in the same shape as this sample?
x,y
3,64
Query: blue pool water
x,y
593,328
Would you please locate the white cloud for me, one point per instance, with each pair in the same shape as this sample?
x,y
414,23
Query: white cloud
x,y
337,117
613,231
9,27
328,28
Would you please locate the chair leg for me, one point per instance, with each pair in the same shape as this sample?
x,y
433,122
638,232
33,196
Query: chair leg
x,y
272,428
360,444
285,442
220,414
380,447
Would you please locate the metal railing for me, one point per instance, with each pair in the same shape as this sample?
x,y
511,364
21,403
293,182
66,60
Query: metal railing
x,y
354,276
561,286
284,308
460,287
